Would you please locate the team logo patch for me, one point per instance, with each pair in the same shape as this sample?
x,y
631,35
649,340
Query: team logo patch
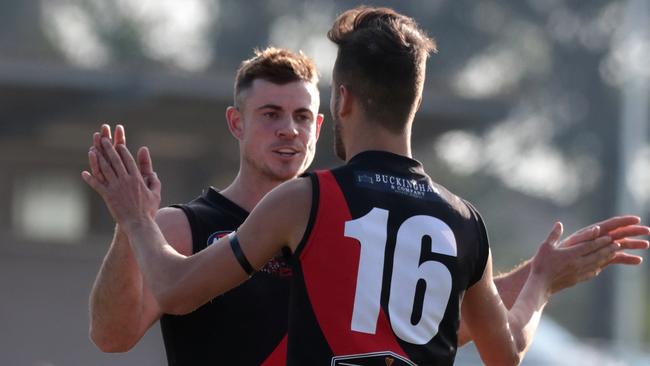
x,y
395,184
372,359
217,235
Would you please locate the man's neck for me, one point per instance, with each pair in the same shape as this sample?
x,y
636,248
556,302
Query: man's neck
x,y
367,138
247,192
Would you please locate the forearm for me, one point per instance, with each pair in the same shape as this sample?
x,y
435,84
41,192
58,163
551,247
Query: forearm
x,y
526,312
116,298
510,284
161,265
179,283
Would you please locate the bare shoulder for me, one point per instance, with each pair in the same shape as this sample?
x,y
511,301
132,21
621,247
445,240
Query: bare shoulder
x,y
175,227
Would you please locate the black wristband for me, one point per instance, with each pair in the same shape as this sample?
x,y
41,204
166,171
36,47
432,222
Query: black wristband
x,y
239,254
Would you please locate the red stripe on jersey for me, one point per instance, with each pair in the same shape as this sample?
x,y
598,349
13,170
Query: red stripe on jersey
x,y
279,355
330,262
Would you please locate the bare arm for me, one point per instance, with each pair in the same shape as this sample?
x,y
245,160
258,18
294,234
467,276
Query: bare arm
x,y
179,283
487,320
503,336
120,313
121,307
182,284
577,268
117,298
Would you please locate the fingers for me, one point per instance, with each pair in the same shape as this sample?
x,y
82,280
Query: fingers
x,y
120,160
114,158
627,231
618,221
113,164
93,182
633,244
105,131
153,183
585,234
94,165
146,169
127,159
120,135
106,168
626,259
617,227
600,254
591,246
97,141
593,263
144,161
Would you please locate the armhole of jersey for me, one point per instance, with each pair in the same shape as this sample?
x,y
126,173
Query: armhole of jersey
x,y
483,247
191,218
315,194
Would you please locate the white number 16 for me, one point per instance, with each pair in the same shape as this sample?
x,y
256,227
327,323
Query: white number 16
x,y
371,231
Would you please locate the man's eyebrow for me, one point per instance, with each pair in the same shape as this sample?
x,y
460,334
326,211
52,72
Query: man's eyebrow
x,y
276,107
303,110
270,106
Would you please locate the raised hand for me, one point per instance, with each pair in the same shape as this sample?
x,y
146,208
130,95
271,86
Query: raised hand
x,y
585,253
129,196
622,229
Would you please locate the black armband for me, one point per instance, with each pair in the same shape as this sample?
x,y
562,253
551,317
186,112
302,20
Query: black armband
x,y
239,254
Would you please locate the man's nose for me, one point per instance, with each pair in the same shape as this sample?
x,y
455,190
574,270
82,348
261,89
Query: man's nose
x,y
288,130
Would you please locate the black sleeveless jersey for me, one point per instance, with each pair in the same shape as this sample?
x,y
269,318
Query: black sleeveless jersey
x,y
245,326
381,271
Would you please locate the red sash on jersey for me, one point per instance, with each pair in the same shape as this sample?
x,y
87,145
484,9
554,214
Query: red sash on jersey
x,y
330,263
279,355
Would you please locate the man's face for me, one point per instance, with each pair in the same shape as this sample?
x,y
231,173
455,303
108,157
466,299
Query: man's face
x,y
280,128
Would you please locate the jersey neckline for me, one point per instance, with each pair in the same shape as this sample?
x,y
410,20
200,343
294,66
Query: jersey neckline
x,y
216,199
387,159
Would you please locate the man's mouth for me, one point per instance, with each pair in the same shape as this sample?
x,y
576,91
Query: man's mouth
x,y
286,152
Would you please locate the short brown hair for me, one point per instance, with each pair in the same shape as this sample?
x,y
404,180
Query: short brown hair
x,y
277,65
382,59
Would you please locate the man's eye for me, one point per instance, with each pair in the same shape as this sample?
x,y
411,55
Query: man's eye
x,y
271,115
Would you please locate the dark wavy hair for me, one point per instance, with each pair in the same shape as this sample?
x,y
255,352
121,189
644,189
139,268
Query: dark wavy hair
x,y
382,60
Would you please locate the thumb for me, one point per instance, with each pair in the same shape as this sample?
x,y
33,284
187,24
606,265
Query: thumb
x,y
585,234
153,183
555,235
144,162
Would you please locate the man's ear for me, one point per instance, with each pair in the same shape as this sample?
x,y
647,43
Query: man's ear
x,y
346,101
235,122
319,122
